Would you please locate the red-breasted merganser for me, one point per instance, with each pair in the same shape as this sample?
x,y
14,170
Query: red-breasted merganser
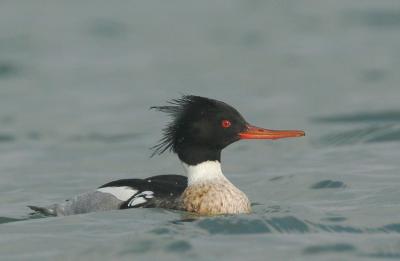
x,y
200,129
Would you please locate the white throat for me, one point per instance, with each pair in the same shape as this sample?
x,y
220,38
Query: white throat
x,y
206,171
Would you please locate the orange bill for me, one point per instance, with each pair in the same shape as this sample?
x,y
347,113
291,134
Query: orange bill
x,y
253,132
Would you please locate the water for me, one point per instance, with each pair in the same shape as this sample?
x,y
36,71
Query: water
x,y
76,82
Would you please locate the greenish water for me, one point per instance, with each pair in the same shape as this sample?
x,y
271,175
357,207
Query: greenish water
x,y
76,83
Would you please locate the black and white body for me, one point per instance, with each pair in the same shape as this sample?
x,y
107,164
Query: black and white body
x,y
159,191
200,130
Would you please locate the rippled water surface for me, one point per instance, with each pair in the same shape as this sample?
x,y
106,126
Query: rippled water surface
x,y
76,83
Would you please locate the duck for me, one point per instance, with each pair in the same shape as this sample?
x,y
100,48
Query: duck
x,y
200,129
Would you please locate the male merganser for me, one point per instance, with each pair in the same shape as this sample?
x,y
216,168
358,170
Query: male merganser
x,y
200,129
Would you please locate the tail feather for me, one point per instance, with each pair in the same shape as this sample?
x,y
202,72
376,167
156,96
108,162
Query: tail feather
x,y
43,210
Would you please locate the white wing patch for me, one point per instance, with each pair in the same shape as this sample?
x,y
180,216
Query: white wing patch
x,y
141,198
121,193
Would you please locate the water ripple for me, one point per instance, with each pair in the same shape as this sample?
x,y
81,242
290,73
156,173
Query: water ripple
x,y
334,219
6,138
284,224
382,254
382,18
179,246
8,69
365,117
319,249
106,138
233,226
8,220
392,228
363,135
107,28
288,224
328,184
336,228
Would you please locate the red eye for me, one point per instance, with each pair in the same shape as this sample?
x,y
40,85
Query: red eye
x,y
225,124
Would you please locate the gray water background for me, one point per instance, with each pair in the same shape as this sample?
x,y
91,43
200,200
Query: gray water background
x,y
77,79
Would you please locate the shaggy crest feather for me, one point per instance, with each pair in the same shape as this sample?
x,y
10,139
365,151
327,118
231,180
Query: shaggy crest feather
x,y
176,108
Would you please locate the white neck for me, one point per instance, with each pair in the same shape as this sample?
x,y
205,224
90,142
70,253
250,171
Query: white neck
x,y
206,171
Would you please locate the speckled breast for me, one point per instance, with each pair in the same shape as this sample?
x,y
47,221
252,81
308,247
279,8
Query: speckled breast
x,y
215,198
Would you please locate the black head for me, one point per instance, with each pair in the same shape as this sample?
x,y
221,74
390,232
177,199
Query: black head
x,y
201,128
